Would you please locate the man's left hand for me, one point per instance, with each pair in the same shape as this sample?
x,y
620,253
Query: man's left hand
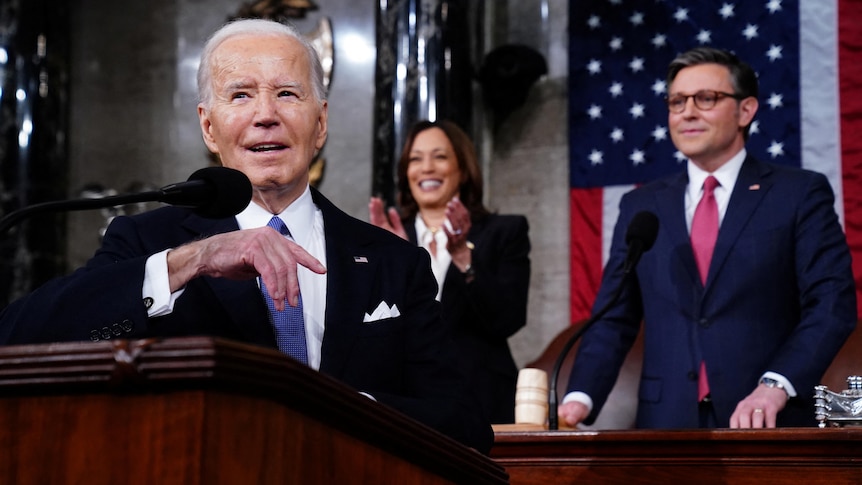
x,y
760,408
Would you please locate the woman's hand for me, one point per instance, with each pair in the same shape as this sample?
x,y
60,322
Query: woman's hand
x,y
386,219
459,248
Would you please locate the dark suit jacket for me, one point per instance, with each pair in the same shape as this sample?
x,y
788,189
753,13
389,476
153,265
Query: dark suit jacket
x,y
779,297
404,362
484,313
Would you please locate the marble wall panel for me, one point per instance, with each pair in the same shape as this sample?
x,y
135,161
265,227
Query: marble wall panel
x,y
528,167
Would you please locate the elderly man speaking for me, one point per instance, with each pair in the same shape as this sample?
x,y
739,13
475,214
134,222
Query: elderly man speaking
x,y
291,271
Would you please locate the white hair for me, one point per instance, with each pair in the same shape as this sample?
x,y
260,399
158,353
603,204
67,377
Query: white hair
x,y
259,27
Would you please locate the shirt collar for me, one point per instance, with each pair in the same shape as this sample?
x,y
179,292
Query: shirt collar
x,y
423,234
725,174
298,217
421,228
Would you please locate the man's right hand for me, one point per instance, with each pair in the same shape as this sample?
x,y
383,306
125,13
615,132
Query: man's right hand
x,y
241,255
572,413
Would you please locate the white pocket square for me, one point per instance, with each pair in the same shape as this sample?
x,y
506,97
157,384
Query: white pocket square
x,y
382,311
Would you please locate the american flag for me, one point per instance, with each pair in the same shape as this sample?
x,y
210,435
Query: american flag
x,y
619,51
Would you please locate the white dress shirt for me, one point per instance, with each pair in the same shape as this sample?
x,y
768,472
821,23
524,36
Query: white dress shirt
x,y
305,223
441,261
726,176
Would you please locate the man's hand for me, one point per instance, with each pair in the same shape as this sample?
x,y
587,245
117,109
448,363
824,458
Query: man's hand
x,y
572,413
386,219
760,408
241,255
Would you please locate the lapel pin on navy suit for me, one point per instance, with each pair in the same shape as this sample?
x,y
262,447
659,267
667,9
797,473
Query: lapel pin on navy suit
x,y
754,187
360,259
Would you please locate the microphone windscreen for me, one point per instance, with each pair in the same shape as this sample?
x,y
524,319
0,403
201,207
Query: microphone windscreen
x,y
643,228
230,192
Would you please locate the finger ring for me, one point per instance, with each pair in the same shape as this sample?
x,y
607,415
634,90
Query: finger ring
x,y
758,410
457,232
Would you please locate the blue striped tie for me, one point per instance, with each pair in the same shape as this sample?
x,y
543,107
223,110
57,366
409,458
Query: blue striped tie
x,y
289,324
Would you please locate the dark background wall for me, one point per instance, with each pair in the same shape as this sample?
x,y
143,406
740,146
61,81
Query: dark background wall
x,y
34,74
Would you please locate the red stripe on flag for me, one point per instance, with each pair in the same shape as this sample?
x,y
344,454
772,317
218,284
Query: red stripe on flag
x,y
850,85
585,267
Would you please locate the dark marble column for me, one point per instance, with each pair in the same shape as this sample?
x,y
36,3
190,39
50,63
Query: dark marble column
x,y
424,71
33,128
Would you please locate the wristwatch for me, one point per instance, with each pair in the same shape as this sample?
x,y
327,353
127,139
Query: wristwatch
x,y
770,382
469,272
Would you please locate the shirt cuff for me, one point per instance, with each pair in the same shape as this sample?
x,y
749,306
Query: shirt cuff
x,y
581,397
791,391
156,291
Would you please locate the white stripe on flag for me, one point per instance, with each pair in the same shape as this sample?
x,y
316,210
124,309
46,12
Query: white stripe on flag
x,y
610,211
820,100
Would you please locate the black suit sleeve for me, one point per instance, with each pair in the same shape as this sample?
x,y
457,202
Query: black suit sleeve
x,y
496,298
100,300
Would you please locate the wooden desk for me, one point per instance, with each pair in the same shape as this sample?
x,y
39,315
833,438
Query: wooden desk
x,y
798,456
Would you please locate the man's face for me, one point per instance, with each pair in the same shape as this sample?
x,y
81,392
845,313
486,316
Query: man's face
x,y
709,138
264,119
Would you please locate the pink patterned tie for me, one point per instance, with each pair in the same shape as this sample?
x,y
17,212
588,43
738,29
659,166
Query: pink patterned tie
x,y
704,227
704,232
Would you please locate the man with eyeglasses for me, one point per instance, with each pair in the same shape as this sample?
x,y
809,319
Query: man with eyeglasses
x,y
748,292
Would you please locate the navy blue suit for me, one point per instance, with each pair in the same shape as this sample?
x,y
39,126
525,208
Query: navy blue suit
x,y
779,297
404,362
485,312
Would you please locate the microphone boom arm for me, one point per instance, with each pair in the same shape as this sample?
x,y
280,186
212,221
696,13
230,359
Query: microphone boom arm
x,y
553,421
76,205
640,236
213,192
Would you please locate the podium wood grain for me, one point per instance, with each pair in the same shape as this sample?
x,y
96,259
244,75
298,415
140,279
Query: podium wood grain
x,y
723,456
205,411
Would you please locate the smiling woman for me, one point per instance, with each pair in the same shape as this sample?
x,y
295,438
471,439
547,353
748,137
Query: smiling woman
x,y
479,259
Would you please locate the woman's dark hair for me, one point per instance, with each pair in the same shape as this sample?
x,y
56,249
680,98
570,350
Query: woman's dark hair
x,y
470,191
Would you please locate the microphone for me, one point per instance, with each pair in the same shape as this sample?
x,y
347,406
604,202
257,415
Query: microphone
x,y
640,236
212,192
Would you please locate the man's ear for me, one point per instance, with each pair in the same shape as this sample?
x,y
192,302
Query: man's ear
x,y
322,125
206,129
747,110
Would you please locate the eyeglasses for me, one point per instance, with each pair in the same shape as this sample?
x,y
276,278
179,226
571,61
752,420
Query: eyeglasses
x,y
704,100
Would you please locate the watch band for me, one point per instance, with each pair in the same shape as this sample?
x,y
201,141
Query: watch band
x,y
469,271
770,382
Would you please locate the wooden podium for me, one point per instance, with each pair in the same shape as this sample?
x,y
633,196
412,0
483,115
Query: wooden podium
x,y
206,411
723,456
